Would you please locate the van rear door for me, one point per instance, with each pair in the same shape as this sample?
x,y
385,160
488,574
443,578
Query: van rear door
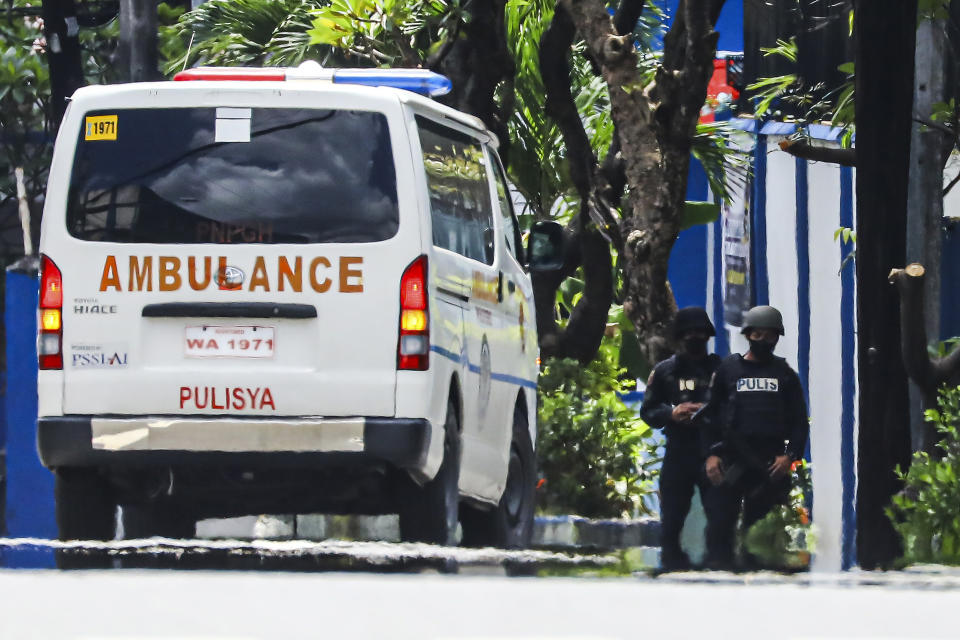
x,y
233,260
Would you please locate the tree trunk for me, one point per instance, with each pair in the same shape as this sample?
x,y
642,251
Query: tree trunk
x,y
61,30
886,36
137,49
925,199
477,62
655,125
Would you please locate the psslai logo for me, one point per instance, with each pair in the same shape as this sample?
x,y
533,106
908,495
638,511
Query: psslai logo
x,y
99,356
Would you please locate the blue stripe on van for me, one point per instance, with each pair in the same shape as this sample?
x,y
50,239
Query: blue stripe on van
x,y
502,377
450,355
523,382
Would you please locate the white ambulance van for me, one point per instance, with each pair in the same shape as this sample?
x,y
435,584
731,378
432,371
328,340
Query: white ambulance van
x,y
284,291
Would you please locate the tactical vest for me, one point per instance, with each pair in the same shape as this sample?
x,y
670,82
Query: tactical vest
x,y
756,397
687,381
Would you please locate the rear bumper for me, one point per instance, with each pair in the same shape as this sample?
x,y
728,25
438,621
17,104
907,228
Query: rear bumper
x,y
172,440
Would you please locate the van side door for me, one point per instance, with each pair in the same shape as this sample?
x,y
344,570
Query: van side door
x,y
514,348
463,230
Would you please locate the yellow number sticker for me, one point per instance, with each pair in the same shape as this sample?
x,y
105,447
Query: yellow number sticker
x,y
101,128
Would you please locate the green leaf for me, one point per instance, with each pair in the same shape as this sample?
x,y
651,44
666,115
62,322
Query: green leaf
x,y
324,31
846,67
695,213
785,48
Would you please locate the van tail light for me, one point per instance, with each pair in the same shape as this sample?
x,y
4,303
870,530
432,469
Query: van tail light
x,y
50,337
413,348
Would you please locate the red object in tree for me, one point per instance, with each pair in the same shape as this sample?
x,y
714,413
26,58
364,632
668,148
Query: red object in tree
x,y
719,84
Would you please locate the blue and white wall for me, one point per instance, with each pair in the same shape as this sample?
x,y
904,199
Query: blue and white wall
x,y
794,209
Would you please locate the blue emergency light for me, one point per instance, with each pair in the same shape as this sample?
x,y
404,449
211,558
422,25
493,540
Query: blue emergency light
x,y
420,81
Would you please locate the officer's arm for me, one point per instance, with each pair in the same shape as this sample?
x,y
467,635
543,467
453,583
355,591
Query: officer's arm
x,y
796,414
656,411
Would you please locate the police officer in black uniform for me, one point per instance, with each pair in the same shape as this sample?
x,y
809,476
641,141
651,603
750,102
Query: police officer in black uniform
x,y
756,428
676,391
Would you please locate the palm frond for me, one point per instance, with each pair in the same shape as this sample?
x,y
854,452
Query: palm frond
x,y
726,166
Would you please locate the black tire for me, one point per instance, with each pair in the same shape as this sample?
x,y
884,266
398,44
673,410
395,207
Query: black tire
x,y
509,525
85,509
157,519
429,513
85,505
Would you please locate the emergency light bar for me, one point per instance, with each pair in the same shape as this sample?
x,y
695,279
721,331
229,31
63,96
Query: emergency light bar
x,y
420,81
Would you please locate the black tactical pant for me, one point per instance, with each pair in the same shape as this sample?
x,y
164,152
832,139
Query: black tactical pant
x,y
682,470
755,493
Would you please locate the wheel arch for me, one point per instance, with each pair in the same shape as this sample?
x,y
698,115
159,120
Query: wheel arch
x,y
521,405
455,395
529,414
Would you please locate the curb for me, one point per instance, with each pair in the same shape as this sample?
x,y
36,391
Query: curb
x,y
549,532
583,533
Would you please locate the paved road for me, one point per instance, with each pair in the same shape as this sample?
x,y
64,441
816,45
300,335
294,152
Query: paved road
x,y
194,605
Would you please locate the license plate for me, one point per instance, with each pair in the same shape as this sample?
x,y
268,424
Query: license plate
x,y
230,342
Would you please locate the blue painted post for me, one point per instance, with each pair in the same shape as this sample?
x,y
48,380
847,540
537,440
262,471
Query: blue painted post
x,y
687,270
29,504
848,384
758,223
803,282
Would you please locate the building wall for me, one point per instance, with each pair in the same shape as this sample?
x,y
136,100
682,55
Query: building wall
x,y
794,208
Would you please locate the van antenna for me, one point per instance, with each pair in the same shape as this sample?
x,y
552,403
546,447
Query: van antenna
x,y
186,57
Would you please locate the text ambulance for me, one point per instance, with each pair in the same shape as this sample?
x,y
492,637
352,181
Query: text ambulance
x,y
284,290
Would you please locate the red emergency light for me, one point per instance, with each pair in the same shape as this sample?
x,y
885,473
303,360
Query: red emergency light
x,y
422,81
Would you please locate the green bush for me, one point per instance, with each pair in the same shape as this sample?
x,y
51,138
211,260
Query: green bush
x,y
926,513
785,537
595,453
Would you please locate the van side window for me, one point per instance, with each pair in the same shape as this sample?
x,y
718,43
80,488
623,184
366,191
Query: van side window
x,y
511,228
460,207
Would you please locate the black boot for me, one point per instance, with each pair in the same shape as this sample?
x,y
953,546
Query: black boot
x,y
674,559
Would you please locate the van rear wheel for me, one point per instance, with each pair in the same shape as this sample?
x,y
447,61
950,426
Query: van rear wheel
x,y
85,509
509,525
85,505
157,519
429,513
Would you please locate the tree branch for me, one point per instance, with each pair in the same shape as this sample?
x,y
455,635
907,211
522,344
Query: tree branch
x,y
477,63
952,184
581,337
627,15
947,131
613,172
434,61
555,70
806,151
929,373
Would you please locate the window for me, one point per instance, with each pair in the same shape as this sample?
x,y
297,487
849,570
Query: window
x,y
511,228
305,176
460,207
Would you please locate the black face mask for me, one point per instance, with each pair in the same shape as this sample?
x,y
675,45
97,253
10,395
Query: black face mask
x,y
762,349
694,347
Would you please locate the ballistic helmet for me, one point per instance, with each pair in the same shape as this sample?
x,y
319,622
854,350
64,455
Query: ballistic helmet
x,y
692,319
763,317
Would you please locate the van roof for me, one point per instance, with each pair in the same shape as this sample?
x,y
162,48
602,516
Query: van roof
x,y
403,84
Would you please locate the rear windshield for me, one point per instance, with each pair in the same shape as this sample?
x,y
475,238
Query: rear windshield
x,y
233,175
